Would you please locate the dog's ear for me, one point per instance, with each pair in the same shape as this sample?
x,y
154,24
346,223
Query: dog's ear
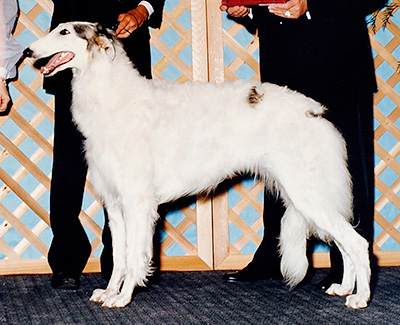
x,y
104,40
106,44
97,38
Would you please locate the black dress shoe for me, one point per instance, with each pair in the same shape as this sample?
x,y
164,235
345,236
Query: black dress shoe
x,y
249,274
63,281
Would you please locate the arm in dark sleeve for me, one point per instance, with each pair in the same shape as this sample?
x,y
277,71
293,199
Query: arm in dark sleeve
x,y
247,23
156,17
336,8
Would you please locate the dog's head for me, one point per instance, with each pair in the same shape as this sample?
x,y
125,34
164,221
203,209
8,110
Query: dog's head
x,y
70,45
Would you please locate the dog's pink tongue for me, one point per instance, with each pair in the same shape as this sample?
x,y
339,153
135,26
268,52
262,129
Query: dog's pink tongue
x,y
57,60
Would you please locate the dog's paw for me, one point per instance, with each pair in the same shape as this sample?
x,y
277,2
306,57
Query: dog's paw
x,y
117,301
98,295
357,301
339,290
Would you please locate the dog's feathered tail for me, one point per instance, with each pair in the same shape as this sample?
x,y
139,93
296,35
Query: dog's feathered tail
x,y
293,244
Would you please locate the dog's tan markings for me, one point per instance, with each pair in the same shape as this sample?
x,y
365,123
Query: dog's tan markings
x,y
97,39
254,96
83,31
312,114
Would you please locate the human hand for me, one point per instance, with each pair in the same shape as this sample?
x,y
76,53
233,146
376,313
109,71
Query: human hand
x,y
4,96
292,9
236,11
130,21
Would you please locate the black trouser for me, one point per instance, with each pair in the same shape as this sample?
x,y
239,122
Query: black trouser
x,y
70,248
357,130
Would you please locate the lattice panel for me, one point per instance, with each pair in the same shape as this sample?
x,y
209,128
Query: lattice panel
x,y
245,208
387,136
173,56
25,157
240,209
186,236
240,52
172,43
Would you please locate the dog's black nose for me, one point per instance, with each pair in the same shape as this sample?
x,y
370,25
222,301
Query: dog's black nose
x,y
28,52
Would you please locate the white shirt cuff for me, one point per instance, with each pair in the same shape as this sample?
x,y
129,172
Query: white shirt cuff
x,y
148,6
3,72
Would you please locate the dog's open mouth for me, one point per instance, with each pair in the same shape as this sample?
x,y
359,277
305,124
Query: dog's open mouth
x,y
56,60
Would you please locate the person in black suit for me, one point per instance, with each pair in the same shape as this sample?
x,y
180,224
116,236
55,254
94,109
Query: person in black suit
x,y
70,247
321,49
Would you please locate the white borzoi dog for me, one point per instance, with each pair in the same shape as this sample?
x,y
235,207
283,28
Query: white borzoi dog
x,y
149,142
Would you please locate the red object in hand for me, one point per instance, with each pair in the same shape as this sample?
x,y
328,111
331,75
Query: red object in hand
x,y
231,3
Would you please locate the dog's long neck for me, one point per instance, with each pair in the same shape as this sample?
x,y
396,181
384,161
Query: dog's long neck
x,y
102,87
102,71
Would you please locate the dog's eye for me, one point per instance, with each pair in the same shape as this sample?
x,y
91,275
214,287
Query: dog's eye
x,y
64,32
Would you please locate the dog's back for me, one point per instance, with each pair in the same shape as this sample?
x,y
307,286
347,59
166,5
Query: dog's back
x,y
195,135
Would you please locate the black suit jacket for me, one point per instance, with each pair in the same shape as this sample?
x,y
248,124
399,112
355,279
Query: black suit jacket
x,y
106,12
322,57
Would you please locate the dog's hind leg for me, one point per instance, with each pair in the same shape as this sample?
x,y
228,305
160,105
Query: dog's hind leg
x,y
323,204
293,242
355,250
118,237
140,215
349,277
355,254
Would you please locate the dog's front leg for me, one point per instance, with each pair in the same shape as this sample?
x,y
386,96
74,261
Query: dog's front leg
x,y
139,216
117,227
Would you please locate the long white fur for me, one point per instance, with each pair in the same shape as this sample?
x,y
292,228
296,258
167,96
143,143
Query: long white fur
x,y
149,142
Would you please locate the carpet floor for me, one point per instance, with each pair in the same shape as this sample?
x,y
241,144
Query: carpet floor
x,y
196,298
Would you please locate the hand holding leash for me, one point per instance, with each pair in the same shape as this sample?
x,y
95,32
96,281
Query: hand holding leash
x,y
130,21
